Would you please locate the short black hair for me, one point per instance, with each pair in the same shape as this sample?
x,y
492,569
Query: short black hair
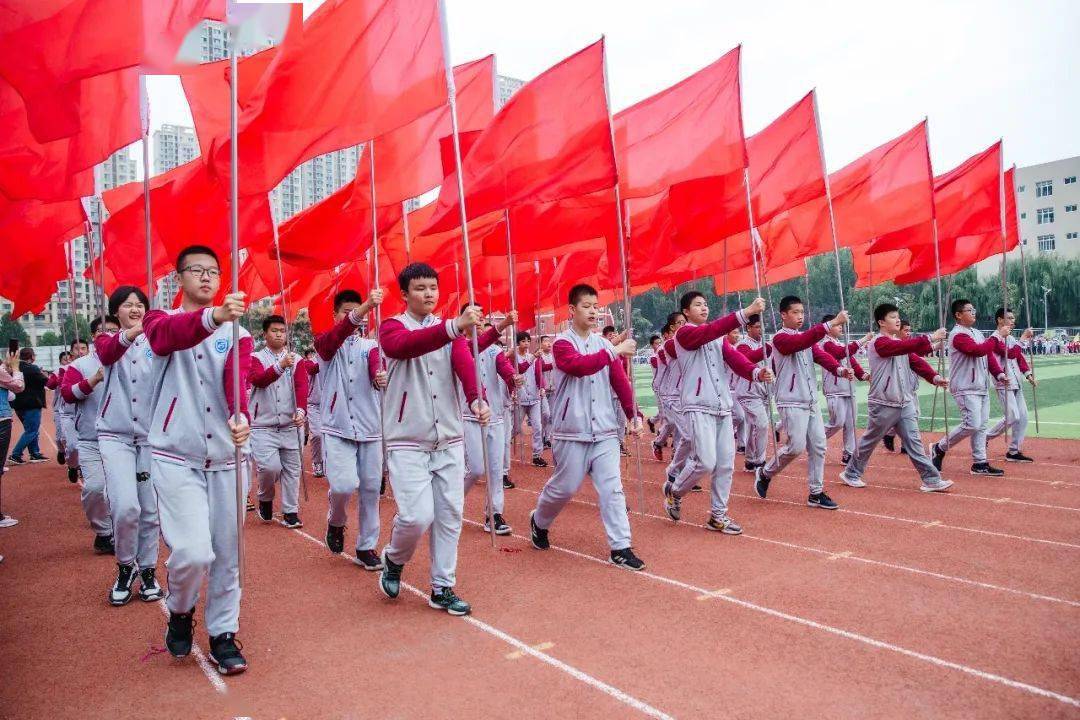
x,y
579,291
26,354
904,323
999,314
884,309
788,300
120,294
272,320
753,319
309,351
671,318
827,317
63,355
347,295
958,305
653,338
195,250
415,271
544,337
523,336
96,322
79,340
687,298
607,329
467,305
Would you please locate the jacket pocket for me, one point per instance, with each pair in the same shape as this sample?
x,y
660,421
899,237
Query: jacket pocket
x,y
791,388
885,390
401,410
256,413
105,405
697,392
333,401
565,407
168,416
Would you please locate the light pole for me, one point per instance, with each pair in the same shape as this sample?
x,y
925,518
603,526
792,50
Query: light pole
x,y
1046,310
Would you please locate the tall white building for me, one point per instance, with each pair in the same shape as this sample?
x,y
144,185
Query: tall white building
x,y
1047,201
505,88
174,145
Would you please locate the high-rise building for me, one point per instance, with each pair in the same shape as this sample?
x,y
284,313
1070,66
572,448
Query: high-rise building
x,y
505,88
174,145
213,41
313,181
1047,201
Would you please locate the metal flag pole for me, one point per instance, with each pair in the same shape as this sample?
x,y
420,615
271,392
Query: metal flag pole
x,y
291,372
1005,293
628,310
518,440
1027,312
71,294
374,275
451,98
405,223
806,291
234,270
144,118
725,278
937,272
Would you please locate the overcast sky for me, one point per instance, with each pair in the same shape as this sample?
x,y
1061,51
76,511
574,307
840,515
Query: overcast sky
x,y
978,70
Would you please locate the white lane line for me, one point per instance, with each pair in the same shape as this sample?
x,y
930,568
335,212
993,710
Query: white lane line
x,y
847,634
200,658
540,655
909,489
1009,475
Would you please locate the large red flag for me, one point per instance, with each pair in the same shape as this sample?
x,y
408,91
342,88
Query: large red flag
x,y
551,140
360,69
691,130
33,235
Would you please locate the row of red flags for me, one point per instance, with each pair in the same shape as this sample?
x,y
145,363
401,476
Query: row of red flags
x,y
546,179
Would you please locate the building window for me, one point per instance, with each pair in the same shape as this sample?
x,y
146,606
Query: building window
x,y
1044,188
1046,243
1044,215
1020,188
1070,236
1023,215
1070,208
1070,180
1024,241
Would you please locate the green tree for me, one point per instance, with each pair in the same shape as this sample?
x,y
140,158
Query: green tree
x,y
10,328
75,327
49,338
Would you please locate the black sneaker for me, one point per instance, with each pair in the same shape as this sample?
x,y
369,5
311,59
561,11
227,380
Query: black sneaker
x,y
501,528
539,461
889,441
903,450
335,538
1017,456
547,444
150,590
16,460
369,560
651,424
291,521
822,501
266,511
73,475
845,458
741,449
761,482
103,545
939,456
38,458
539,537
986,469
627,559
390,577
507,485
179,632
445,599
696,488
751,467
120,592
60,459
225,652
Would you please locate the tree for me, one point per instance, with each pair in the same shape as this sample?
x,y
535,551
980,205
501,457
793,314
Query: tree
x,y
10,328
49,338
76,327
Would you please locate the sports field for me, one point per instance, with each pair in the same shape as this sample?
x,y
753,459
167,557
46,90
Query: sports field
x,y
1058,397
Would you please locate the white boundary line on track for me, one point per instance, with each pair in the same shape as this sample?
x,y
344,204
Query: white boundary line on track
x,y
1008,476
847,634
997,501
856,558
208,670
525,649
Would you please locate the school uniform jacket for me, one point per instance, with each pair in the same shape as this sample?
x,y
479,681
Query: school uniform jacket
x,y
425,360
586,373
793,361
128,387
54,383
271,398
971,358
1010,352
193,371
496,378
891,363
531,368
86,399
754,351
671,381
705,354
351,405
834,385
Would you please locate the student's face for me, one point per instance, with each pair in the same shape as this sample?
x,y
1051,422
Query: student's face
x,y
66,360
523,345
422,296
905,332
77,351
345,309
200,278
754,331
836,331
275,336
108,327
734,336
891,324
966,316
793,317
655,345
131,311
610,336
698,312
586,313
545,345
1009,321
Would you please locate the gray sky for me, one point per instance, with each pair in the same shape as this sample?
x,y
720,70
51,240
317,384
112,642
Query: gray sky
x,y
978,70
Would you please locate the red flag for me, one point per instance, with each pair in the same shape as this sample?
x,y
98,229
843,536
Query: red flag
x,y
360,69
552,140
33,235
691,130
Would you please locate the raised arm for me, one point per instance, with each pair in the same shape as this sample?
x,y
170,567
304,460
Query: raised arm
x,y
505,370
754,355
857,369
487,338
571,362
692,337
891,347
791,343
168,333
463,363
259,376
967,345
75,387
110,348
400,343
739,362
328,343
12,381
825,360
922,368
246,346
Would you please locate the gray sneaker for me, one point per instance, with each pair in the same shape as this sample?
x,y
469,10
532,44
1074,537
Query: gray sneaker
x,y
940,486
672,504
445,599
850,481
724,524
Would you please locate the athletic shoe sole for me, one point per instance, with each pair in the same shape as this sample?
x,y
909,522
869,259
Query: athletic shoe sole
x,y
382,557
369,568
291,526
822,507
266,521
456,613
945,485
229,671
627,567
986,474
151,598
499,531
851,483
1018,460
120,603
727,530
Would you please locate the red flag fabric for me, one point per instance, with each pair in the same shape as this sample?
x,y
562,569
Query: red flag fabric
x,y
550,141
33,235
360,69
742,279
691,130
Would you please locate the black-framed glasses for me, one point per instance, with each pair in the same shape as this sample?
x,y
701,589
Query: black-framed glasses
x,y
200,271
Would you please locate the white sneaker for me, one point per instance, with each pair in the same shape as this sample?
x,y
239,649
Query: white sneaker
x,y
851,482
939,486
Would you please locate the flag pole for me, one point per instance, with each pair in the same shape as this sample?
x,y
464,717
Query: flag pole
x,y
405,222
234,270
451,98
375,278
628,310
144,118
71,294
1005,431
937,271
1027,312
519,441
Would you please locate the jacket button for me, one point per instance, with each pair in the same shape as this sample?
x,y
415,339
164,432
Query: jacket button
x,y
208,436
199,356
207,409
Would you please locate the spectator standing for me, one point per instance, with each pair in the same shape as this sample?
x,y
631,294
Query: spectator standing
x,y
28,405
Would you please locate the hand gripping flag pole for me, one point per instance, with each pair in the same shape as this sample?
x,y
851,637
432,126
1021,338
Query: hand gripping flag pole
x,y
451,98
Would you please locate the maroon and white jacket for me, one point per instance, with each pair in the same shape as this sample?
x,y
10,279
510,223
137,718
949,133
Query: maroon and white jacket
x,y
705,356
350,405
271,399
793,358
86,399
128,387
587,372
891,363
834,385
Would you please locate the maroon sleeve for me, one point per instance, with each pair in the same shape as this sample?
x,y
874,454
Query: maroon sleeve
x,y
693,337
571,362
538,367
922,368
301,385
859,372
739,362
328,343
109,348
620,383
374,363
259,376
464,365
825,360
791,343
246,346
487,339
170,333
835,349
505,370
400,343
54,381
522,365
1017,353
655,362
547,366
967,345
313,367
754,355
994,365
669,348
73,377
891,347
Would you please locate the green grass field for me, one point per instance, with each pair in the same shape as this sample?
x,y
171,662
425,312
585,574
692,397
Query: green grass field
x,y
1058,397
